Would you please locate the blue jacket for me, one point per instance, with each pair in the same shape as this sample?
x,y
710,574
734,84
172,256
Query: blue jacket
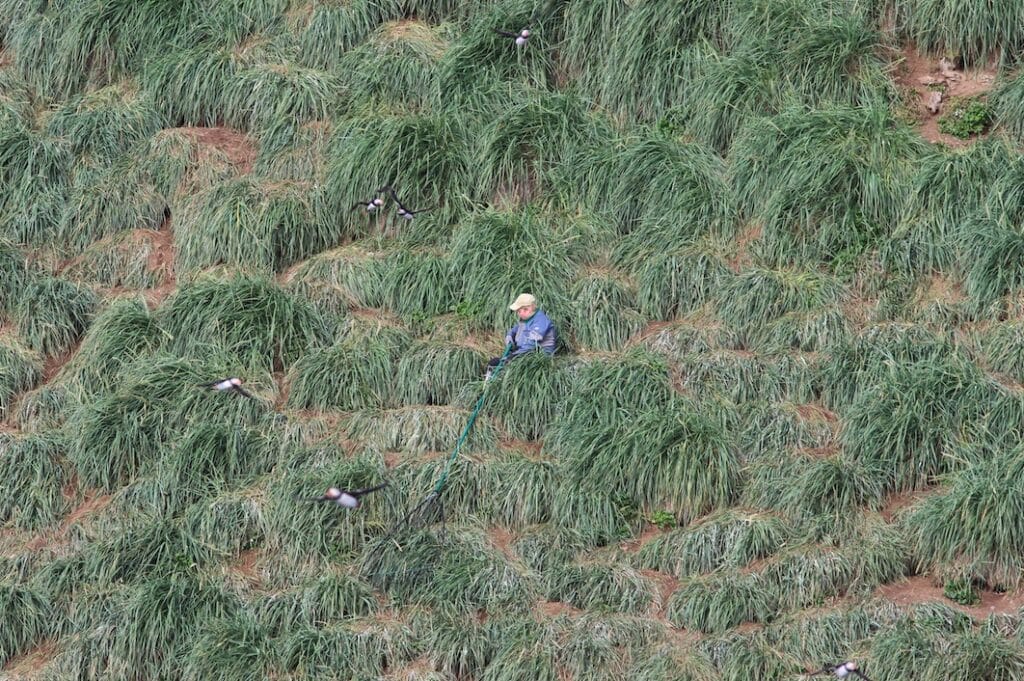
x,y
535,332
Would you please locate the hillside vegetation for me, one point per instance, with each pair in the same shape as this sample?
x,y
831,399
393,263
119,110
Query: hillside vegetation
x,y
784,427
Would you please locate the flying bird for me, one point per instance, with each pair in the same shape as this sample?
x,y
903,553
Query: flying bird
x,y
841,671
520,38
223,384
349,498
404,212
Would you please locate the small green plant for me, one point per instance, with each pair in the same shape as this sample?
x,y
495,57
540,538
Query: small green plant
x,y
962,591
469,309
662,519
966,117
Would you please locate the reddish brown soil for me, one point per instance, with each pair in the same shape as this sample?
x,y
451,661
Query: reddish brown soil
x,y
916,72
666,585
93,503
897,502
921,589
742,259
556,608
239,149
636,543
28,664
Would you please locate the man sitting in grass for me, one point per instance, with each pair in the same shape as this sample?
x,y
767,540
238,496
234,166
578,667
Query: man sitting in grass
x,y
534,331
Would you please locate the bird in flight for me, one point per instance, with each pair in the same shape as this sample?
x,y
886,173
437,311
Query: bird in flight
x,y
370,205
349,498
521,37
841,671
404,212
233,383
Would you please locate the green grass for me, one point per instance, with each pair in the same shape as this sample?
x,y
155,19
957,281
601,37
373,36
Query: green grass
x,y
35,472
20,370
969,529
106,122
262,227
53,313
723,539
435,373
248,316
947,27
605,313
29,618
822,182
124,260
357,373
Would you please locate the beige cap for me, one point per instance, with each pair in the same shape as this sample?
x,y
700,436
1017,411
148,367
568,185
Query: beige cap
x,y
523,300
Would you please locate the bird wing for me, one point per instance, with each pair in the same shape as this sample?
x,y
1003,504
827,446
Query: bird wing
x,y
361,204
507,34
367,490
386,189
422,210
241,391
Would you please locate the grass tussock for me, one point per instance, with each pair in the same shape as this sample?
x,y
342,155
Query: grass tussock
x,y
247,316
52,314
20,370
35,473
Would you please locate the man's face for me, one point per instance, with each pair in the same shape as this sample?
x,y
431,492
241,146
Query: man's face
x,y
525,312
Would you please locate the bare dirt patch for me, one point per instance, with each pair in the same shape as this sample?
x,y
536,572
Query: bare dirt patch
x,y
743,259
237,147
921,589
635,544
92,503
554,609
666,586
32,661
932,84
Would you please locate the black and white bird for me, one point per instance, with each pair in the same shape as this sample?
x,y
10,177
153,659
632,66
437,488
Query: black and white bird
x,y
233,384
370,205
349,498
520,38
841,671
404,212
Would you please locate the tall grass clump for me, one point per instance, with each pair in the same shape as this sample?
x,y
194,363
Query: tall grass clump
x,y
742,376
1000,348
105,199
231,522
425,157
496,256
720,601
331,30
274,91
771,428
343,278
970,529
20,370
418,430
660,192
416,284
948,27
677,282
534,133
14,274
156,398
1008,108
35,473
482,56
605,312
246,223
826,184
125,260
107,122
361,650
191,85
52,314
34,169
725,539
430,373
528,393
948,188
247,316
28,618
232,649
678,458
397,64
603,588
356,373
858,363
119,335
646,63
757,301
906,424
994,249
812,485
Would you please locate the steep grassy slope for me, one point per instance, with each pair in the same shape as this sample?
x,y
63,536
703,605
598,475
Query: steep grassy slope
x,y
792,363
